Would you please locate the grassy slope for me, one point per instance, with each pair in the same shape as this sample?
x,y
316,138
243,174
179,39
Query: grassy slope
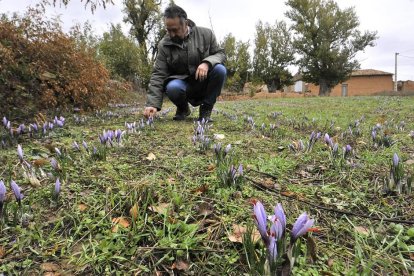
x,y
173,193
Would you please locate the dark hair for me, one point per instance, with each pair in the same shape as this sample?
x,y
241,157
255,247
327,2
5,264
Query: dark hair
x,y
174,11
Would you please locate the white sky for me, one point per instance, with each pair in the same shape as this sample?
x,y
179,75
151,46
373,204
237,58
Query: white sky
x,y
392,19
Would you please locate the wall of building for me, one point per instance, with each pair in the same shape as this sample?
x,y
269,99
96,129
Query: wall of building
x,y
360,85
407,85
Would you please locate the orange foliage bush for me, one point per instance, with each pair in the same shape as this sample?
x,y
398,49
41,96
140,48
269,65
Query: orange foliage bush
x,y
43,68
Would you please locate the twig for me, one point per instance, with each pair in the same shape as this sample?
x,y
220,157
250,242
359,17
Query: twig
x,y
278,191
155,248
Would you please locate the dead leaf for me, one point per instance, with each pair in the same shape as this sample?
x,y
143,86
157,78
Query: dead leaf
x,y
134,212
218,136
119,221
412,256
49,267
201,190
180,265
171,180
82,207
34,181
40,162
238,233
211,167
288,193
330,262
2,252
151,157
205,209
161,208
409,162
362,230
311,247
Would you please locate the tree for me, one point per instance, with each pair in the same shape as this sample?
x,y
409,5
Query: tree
x,y
119,53
272,54
147,27
237,63
327,40
93,3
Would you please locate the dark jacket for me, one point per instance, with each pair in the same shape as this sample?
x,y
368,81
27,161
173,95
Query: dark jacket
x,y
174,61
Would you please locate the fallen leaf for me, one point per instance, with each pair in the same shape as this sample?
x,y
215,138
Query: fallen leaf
x,y
409,162
180,265
412,256
238,233
201,190
205,209
218,136
330,262
119,221
34,181
151,157
82,207
2,252
40,162
134,211
362,230
288,193
211,167
49,267
161,208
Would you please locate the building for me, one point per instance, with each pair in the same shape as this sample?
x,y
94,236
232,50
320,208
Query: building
x,y
361,82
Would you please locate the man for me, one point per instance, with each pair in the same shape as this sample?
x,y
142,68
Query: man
x,y
189,68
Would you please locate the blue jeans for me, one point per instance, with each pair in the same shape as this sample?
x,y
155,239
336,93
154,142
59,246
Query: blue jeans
x,y
196,92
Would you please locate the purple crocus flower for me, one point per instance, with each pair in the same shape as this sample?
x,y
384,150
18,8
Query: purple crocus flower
x,y
217,148
261,222
374,135
20,152
85,145
57,187
276,230
5,121
59,123
227,149
348,148
280,215
16,190
327,139
272,248
54,163
240,170
301,226
58,152
395,160
8,126
75,146
2,192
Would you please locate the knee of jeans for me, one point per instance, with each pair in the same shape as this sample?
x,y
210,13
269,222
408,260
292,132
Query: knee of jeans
x,y
220,69
173,90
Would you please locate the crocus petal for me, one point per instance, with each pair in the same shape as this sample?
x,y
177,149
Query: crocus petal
x,y
280,215
395,160
20,152
276,230
304,228
2,191
272,249
260,217
16,190
300,222
57,187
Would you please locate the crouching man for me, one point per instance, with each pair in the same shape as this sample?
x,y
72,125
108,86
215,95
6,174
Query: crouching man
x,y
188,68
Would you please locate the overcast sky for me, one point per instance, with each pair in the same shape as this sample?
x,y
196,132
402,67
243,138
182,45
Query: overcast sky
x,y
392,19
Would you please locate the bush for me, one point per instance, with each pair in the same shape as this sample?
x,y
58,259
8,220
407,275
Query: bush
x,y
44,68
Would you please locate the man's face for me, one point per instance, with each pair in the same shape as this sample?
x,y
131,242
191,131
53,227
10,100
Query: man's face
x,y
176,29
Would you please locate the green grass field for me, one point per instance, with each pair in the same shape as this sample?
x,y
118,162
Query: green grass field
x,y
157,203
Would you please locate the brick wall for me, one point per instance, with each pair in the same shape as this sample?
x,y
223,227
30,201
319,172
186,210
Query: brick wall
x,y
407,86
360,85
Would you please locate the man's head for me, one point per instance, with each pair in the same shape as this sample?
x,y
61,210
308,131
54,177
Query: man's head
x,y
175,19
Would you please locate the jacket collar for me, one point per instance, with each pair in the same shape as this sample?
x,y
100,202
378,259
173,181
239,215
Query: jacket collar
x,y
168,41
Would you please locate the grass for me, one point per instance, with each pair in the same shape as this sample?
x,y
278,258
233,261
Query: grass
x,y
154,204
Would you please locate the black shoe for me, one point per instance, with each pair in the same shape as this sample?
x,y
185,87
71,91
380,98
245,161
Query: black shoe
x,y
182,113
205,113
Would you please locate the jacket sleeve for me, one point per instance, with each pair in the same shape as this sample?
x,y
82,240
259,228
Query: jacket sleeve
x,y
159,75
217,54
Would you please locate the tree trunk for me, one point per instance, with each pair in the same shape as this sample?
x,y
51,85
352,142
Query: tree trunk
x,y
324,89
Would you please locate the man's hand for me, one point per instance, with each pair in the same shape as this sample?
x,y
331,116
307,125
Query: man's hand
x,y
202,71
150,111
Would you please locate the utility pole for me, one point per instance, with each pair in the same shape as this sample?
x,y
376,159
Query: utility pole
x,y
395,76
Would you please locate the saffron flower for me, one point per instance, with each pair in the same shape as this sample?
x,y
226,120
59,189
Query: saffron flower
x,y
259,214
395,160
57,187
5,121
2,192
16,190
20,152
301,226
54,163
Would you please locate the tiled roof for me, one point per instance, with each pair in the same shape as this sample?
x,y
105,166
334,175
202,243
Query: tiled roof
x,y
369,72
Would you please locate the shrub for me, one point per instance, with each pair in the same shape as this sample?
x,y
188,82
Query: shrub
x,y
44,68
